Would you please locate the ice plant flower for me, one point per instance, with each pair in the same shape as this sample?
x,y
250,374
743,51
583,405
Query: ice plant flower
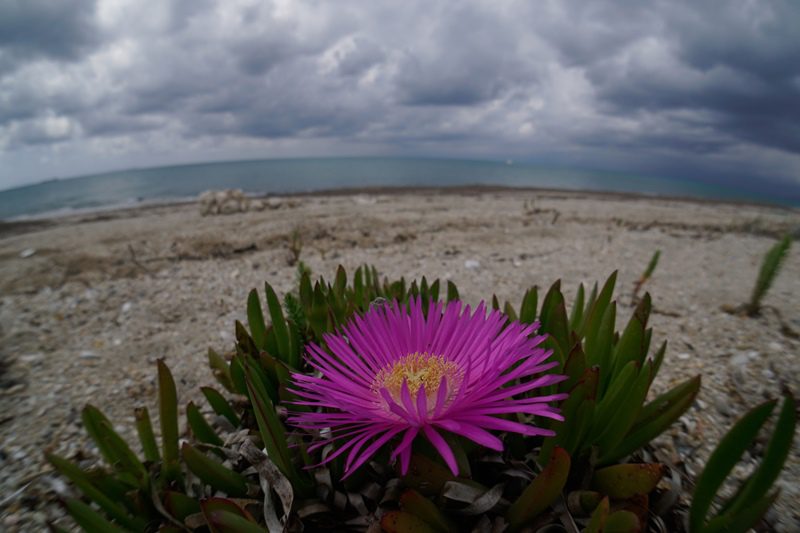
x,y
394,374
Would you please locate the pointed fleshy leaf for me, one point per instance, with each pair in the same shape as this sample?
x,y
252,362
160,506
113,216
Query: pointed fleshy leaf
x,y
245,342
573,368
597,523
88,518
580,328
220,369
598,309
434,291
760,482
179,505
92,418
530,303
576,315
554,318
279,326
144,428
722,460
657,359
418,505
656,416
614,398
599,344
542,491
225,516
200,428
632,343
220,405
255,320
622,522
508,310
569,432
168,419
90,490
627,480
213,472
620,424
270,427
743,519
583,502
237,376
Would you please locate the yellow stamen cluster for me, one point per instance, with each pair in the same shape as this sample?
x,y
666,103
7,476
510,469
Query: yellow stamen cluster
x,y
417,369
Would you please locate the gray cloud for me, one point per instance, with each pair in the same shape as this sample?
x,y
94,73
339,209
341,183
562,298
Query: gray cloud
x,y
676,87
31,29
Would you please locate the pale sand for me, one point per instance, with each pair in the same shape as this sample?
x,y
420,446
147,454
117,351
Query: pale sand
x,y
86,316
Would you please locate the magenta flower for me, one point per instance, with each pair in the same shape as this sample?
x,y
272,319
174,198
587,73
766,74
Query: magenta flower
x,y
394,374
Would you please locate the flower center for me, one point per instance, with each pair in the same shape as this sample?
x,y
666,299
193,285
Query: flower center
x,y
417,369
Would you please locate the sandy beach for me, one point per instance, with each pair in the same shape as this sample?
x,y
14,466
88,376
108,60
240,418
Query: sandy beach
x,y
90,302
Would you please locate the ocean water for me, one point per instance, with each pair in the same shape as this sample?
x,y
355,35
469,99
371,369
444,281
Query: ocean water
x,y
131,187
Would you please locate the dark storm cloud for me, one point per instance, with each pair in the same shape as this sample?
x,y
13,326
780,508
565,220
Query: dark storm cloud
x,y
733,62
29,29
685,86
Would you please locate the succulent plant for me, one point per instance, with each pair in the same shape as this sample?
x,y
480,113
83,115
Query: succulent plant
x,y
770,266
261,465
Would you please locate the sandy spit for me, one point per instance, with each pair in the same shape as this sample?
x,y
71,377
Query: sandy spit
x,y
88,303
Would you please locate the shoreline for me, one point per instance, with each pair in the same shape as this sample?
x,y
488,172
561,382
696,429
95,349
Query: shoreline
x,y
25,223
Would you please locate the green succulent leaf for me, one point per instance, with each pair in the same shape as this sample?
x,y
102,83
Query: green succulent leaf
x,y
279,328
168,418
597,523
530,302
615,397
576,315
627,480
237,376
255,320
220,369
742,519
622,522
554,321
598,309
620,424
220,405
225,516
722,460
144,428
114,448
541,492
88,518
82,481
418,505
655,417
213,472
271,429
577,410
599,344
770,266
202,431
179,505
760,482
632,345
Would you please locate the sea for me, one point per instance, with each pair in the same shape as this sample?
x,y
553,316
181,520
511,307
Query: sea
x,y
280,176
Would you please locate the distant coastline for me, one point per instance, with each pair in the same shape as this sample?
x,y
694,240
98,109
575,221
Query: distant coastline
x,y
58,197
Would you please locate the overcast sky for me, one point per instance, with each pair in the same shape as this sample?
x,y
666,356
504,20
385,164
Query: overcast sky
x,y
671,88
